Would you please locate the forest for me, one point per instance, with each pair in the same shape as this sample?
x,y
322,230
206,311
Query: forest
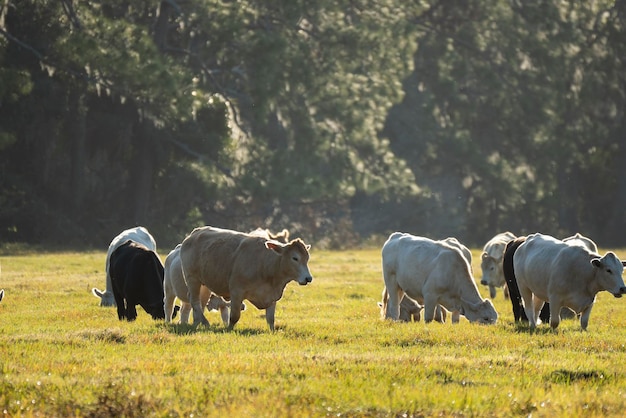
x,y
340,120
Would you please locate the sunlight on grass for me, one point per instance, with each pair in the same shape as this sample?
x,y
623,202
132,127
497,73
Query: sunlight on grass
x,y
331,354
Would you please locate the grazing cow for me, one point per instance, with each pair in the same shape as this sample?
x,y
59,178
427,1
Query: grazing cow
x,y
583,241
550,270
138,234
137,279
491,262
1,294
174,286
433,273
238,266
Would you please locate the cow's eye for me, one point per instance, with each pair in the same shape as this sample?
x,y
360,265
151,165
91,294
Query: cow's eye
x,y
609,271
294,258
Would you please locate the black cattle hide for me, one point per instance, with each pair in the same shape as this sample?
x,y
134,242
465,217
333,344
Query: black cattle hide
x,y
511,281
137,278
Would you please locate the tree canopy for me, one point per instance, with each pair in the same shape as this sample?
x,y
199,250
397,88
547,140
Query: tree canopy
x,y
335,119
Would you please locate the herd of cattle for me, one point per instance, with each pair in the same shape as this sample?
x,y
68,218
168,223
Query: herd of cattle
x,y
217,269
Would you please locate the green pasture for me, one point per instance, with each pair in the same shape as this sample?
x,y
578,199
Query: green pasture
x,y
331,355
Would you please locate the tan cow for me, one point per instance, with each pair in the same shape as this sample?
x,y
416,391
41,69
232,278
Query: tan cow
x,y
238,266
434,273
491,262
174,286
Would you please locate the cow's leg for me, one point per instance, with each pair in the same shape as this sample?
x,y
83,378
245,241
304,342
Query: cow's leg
x,y
121,308
492,291
537,305
555,313
270,311
584,317
455,317
527,297
168,304
430,308
395,296
185,310
235,310
193,287
131,310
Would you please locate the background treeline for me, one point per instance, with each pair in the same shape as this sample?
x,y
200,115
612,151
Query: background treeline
x,y
337,119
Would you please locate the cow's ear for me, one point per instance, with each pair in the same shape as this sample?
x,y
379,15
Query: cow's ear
x,y
273,245
596,262
308,247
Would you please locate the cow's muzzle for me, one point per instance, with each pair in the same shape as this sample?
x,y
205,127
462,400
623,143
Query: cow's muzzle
x,y
622,290
484,282
305,281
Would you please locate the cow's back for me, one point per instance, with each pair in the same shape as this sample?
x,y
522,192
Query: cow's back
x,y
417,260
543,261
209,253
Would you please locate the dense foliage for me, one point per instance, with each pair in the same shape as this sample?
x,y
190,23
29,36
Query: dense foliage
x,y
336,119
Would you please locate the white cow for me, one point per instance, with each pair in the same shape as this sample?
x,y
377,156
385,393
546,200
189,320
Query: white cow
x,y
583,241
550,270
433,273
138,234
174,286
491,262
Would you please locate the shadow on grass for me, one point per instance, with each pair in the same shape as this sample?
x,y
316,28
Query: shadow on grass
x,y
188,329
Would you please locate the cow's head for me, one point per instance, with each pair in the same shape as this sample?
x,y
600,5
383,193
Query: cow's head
x,y
608,273
482,312
106,298
295,256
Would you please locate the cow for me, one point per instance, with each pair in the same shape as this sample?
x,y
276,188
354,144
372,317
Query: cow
x,y
491,262
410,310
1,294
137,279
237,266
433,273
138,234
583,241
550,270
511,282
174,286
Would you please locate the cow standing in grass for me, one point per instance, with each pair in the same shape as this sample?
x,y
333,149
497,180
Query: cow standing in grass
x,y
138,234
174,286
238,266
550,270
433,273
137,279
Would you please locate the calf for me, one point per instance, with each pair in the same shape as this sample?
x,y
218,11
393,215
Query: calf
x,y
137,279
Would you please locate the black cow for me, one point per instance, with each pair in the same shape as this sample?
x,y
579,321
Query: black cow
x,y
1,294
137,279
511,282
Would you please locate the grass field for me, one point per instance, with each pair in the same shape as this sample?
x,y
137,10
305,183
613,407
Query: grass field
x,y
331,355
